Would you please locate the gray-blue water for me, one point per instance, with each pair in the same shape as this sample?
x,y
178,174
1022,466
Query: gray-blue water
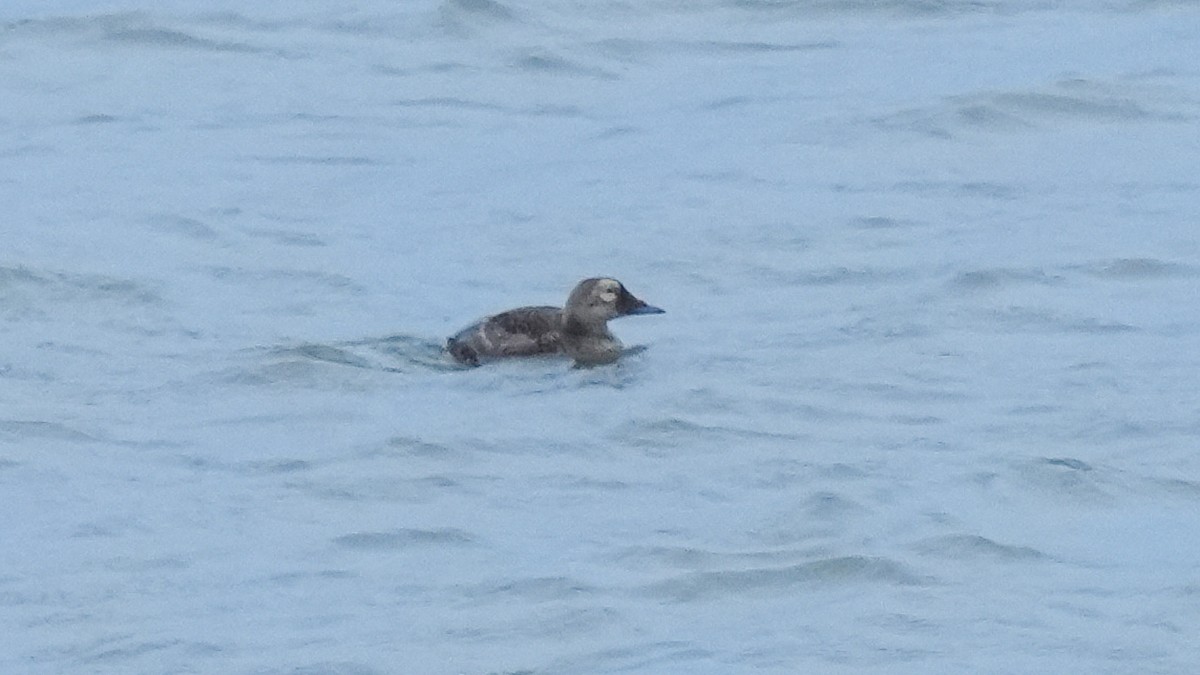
x,y
924,399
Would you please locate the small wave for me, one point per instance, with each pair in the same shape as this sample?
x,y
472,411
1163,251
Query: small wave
x,y
22,287
17,430
390,488
1069,102
901,7
974,189
290,278
326,353
539,589
759,47
1176,486
328,668
874,328
674,432
165,37
286,237
131,28
404,538
464,18
131,649
988,279
548,623
1041,320
682,557
298,368
645,657
882,223
963,546
1074,464
830,506
833,276
1137,268
406,353
843,570
318,160
183,226
1065,478
276,466
449,103
489,9
629,48
1038,104
95,119
695,559
989,118
544,62
415,447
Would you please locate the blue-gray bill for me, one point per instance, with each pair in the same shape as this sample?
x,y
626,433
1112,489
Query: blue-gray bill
x,y
646,309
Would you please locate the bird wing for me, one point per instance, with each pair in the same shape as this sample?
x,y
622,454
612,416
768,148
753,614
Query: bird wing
x,y
526,330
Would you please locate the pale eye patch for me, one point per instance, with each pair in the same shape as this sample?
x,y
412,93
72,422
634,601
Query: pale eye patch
x,y
608,295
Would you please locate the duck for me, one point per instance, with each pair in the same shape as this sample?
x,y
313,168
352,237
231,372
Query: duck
x,y
579,329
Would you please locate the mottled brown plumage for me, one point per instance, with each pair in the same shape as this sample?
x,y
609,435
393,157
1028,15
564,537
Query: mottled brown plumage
x,y
579,330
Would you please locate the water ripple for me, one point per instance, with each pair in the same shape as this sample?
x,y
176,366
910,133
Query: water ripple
x,y
404,538
24,287
1003,277
963,546
843,570
166,37
328,668
1068,102
1137,268
18,430
1065,478
541,589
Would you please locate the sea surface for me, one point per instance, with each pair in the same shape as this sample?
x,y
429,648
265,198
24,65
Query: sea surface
x,y
924,399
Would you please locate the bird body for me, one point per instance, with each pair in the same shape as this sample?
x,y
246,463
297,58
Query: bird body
x,y
579,329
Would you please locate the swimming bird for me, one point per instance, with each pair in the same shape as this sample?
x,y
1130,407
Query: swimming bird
x,y
579,329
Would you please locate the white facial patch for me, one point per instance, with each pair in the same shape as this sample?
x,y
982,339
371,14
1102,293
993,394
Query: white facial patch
x,y
610,289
